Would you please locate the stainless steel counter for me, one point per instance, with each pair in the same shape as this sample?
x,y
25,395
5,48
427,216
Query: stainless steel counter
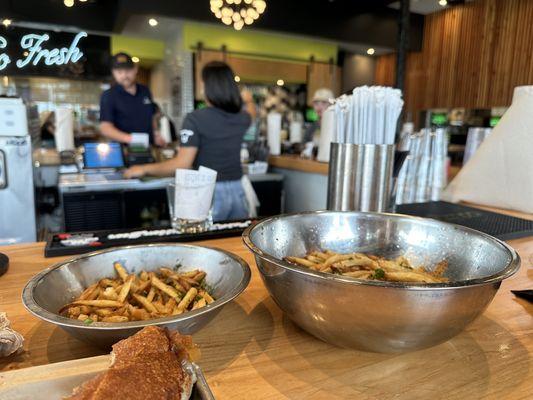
x,y
79,183
95,182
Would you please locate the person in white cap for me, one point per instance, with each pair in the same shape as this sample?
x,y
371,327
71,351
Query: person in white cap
x,y
321,101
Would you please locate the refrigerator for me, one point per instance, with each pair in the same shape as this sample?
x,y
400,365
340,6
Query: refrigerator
x,y
17,206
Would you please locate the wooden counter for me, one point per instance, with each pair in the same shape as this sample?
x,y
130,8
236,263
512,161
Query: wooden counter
x,y
251,351
297,163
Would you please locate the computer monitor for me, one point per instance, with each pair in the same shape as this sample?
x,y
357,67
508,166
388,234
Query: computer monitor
x,y
103,155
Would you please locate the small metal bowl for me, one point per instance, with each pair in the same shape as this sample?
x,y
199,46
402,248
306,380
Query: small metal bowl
x,y
58,285
374,315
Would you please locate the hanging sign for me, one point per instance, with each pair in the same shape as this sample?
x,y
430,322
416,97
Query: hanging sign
x,y
50,53
34,51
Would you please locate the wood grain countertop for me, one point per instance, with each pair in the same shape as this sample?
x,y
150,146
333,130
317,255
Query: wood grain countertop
x,y
251,351
296,163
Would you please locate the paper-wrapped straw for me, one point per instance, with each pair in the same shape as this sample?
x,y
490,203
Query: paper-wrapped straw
x,y
368,116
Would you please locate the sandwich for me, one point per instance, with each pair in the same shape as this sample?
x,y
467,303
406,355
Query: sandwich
x,y
148,365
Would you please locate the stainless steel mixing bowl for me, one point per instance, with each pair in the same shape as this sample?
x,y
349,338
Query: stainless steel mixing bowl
x,y
58,285
374,315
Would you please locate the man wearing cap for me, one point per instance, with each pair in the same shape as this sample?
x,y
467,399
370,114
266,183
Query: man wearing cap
x,y
321,102
127,109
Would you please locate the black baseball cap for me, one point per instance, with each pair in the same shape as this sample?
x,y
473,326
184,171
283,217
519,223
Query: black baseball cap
x,y
122,61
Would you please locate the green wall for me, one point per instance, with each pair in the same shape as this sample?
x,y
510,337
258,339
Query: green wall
x,y
249,41
148,50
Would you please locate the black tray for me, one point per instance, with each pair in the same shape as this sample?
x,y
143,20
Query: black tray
x,y
501,226
102,240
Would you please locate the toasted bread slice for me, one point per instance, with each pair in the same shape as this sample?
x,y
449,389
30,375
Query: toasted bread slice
x,y
148,365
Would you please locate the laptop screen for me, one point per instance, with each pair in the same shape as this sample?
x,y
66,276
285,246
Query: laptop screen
x,y
103,155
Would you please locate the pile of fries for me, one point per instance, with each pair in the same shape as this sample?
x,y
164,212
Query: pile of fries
x,y
146,296
365,266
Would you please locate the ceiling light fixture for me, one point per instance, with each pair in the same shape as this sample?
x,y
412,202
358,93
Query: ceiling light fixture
x,y
153,22
135,59
7,22
370,51
70,3
280,82
237,12
443,3
237,78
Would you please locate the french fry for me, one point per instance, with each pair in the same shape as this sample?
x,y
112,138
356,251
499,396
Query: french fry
x,y
367,266
336,258
314,259
184,303
166,272
98,303
103,312
190,281
142,286
320,255
440,268
151,294
409,277
303,261
164,287
148,306
170,306
206,296
87,292
159,306
121,271
144,276
359,262
94,294
359,274
199,276
125,289
179,287
199,304
138,314
189,274
145,296
107,282
186,285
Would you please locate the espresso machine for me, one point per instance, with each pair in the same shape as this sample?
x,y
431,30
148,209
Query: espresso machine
x,y
17,206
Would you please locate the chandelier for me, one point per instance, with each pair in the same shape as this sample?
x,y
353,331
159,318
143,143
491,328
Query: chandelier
x,y
238,12
70,3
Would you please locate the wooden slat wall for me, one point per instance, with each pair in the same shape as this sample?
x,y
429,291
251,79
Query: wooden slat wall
x,y
472,56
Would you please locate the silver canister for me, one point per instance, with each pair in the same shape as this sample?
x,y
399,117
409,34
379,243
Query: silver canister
x,y
360,177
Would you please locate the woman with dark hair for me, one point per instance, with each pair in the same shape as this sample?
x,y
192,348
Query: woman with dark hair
x,y
212,137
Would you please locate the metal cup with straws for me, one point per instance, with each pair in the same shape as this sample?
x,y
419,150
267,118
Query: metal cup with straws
x,y
362,156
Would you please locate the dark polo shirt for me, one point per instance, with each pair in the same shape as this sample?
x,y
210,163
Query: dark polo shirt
x,y
129,113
